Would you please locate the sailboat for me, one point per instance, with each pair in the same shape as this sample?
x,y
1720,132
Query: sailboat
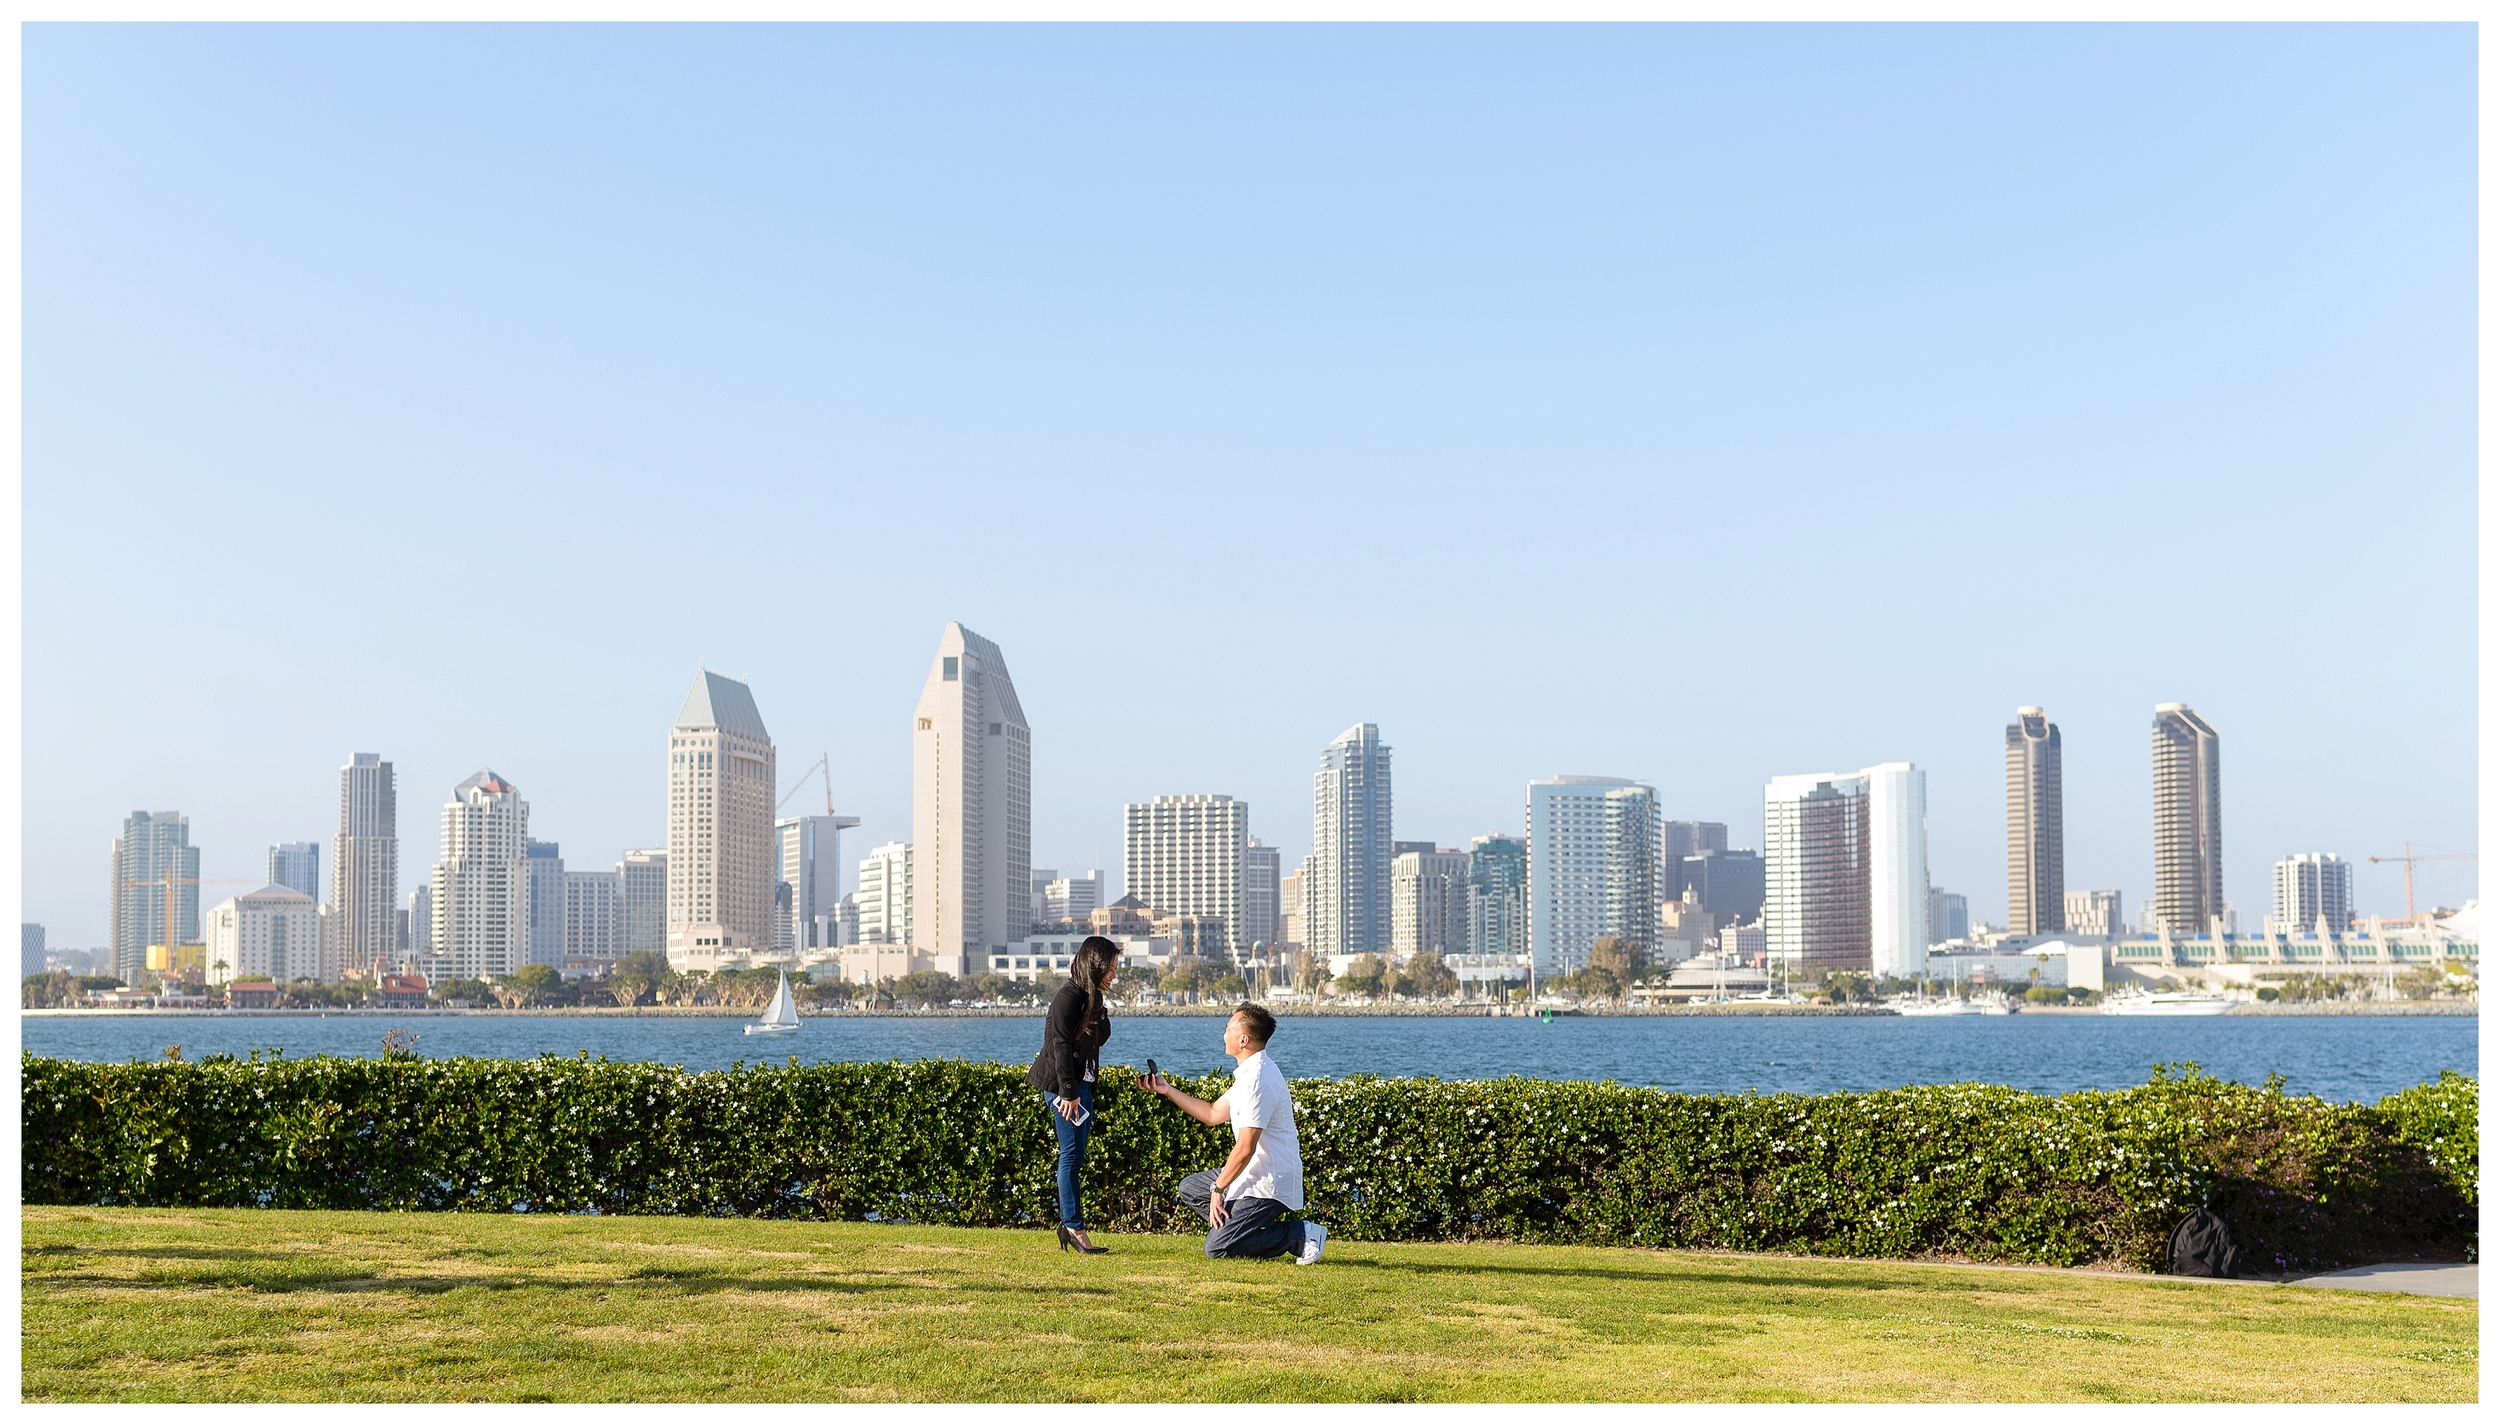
x,y
783,1017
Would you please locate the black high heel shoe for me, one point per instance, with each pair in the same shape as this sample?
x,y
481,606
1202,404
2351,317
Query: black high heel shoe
x,y
1068,1243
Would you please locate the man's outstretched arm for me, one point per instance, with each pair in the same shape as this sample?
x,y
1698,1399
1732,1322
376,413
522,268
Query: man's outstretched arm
x,y
1220,1111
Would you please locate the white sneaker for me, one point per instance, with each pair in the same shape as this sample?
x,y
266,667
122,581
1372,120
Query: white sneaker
x,y
1314,1242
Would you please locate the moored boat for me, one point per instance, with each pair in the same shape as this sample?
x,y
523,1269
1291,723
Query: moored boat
x,y
1944,1006
2174,1002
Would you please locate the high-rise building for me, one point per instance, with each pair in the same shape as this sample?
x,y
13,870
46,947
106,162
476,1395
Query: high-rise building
x,y
972,806
1292,908
721,875
1593,848
810,851
2094,913
1346,886
1262,888
1497,896
30,951
2311,886
1727,884
547,903
1428,902
1948,915
1063,900
1744,944
1183,856
482,884
421,918
884,897
156,887
364,869
2187,820
1682,841
272,933
296,865
1845,870
594,921
642,902
2035,825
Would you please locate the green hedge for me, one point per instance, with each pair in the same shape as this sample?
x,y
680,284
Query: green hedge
x,y
1961,1169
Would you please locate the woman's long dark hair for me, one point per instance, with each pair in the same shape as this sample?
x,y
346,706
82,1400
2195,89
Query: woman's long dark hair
x,y
1094,962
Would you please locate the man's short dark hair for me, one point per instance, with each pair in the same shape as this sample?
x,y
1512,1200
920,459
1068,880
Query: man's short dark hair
x,y
1262,1023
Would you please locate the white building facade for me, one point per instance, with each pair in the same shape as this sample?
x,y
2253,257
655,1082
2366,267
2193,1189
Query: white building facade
x,y
273,933
482,884
1184,856
884,898
1058,898
2089,913
1594,846
810,853
594,923
1845,870
1428,902
1040,955
972,806
1345,880
721,870
2311,886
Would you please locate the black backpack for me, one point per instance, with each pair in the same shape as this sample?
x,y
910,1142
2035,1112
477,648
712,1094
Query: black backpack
x,y
2201,1247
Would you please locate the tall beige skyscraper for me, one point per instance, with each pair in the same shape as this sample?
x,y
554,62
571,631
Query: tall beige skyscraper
x,y
482,884
2187,820
2035,825
364,893
971,806
722,861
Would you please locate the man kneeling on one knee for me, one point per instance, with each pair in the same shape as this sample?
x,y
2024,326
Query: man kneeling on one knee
x,y
1246,1200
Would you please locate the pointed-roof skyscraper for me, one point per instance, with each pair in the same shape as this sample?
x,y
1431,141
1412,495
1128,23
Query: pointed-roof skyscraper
x,y
2187,820
971,806
721,870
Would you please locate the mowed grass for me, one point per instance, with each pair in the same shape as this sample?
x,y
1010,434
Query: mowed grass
x,y
127,1304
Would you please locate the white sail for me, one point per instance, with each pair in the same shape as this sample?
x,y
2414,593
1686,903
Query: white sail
x,y
784,1015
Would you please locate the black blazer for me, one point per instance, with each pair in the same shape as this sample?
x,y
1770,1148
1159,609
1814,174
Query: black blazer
x,y
1067,1049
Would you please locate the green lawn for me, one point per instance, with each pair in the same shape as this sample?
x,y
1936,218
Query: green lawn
x,y
126,1304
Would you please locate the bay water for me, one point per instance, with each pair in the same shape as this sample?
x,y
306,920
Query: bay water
x,y
2344,1058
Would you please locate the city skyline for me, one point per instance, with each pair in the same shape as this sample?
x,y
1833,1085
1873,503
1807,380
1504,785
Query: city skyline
x,y
850,868
2245,297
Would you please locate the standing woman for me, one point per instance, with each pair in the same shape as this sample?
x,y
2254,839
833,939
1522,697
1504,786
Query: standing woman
x,y
1072,1038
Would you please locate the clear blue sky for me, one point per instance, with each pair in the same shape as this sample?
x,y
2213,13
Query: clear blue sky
x,y
1694,404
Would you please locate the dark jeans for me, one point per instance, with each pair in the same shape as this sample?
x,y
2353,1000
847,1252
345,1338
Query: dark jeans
x,y
1253,1226
1071,1155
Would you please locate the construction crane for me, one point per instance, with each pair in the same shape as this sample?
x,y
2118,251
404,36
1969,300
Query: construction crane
x,y
822,764
2410,857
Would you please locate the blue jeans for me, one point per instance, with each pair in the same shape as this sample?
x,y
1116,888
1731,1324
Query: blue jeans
x,y
1253,1226
1072,1138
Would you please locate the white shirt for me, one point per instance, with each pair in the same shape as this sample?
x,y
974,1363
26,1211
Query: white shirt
x,y
1260,1100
